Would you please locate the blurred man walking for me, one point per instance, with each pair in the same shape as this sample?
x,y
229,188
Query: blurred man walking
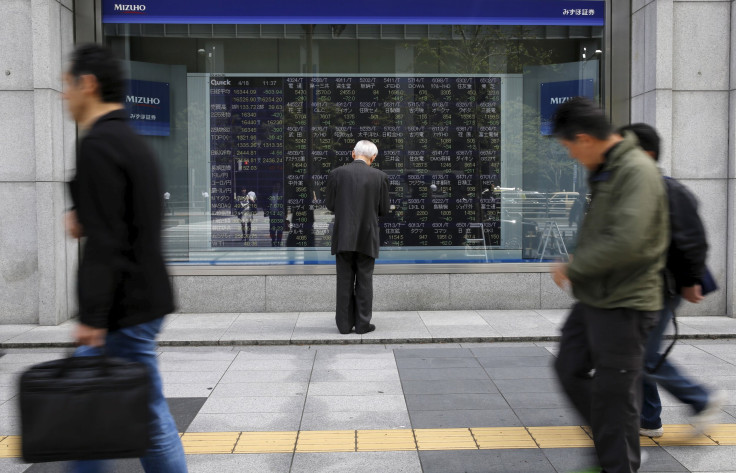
x,y
616,277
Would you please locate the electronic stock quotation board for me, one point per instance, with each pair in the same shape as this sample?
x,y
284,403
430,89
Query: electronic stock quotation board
x,y
439,141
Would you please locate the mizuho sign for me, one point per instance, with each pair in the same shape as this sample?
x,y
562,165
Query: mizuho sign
x,y
132,8
143,100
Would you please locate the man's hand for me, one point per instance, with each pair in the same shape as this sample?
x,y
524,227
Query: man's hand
x,y
73,227
559,276
90,336
693,294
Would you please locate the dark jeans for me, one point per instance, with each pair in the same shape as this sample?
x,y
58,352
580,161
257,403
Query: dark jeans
x,y
354,298
611,342
667,375
138,343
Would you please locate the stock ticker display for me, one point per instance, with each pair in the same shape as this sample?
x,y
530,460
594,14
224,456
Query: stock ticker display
x,y
439,140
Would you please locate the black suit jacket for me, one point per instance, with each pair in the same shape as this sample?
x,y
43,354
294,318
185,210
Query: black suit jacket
x,y
117,196
358,195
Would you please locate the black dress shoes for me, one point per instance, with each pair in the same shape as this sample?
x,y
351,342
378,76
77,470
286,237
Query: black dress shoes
x,y
370,328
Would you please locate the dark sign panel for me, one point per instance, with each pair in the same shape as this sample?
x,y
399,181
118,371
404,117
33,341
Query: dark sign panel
x,y
552,94
147,104
468,12
439,140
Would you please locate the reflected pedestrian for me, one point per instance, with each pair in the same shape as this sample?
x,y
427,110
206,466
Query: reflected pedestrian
x,y
615,276
276,214
358,195
123,287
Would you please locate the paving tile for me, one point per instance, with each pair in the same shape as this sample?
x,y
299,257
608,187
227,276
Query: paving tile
x,y
521,373
354,388
10,424
354,375
262,463
128,465
172,390
13,330
571,459
464,332
339,462
438,402
187,334
548,400
8,379
184,410
259,389
205,354
201,321
512,361
438,352
413,335
376,403
411,363
520,323
548,417
659,460
307,334
233,405
357,419
271,365
191,377
485,461
30,358
687,355
445,419
7,393
442,374
276,352
353,352
251,421
192,365
681,414
44,334
12,465
452,318
704,458
512,386
508,350
458,386
346,363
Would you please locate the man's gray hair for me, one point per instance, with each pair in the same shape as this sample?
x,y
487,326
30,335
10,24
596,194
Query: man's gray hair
x,y
366,149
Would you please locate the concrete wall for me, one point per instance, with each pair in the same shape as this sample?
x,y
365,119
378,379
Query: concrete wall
x,y
36,152
228,293
683,64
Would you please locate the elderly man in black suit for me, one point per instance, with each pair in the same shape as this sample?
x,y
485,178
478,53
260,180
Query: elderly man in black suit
x,y
358,195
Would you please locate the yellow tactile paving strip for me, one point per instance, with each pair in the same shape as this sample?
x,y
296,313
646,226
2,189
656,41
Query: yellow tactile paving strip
x,y
473,438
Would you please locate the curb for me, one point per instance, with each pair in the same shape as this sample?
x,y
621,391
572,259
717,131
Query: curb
x,y
353,341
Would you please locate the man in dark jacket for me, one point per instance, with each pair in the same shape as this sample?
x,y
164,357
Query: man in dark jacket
x,y
684,275
616,277
123,286
358,195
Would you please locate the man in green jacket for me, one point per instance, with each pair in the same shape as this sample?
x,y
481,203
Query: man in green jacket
x,y
615,275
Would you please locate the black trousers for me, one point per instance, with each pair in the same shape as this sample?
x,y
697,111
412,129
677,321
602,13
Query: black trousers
x,y
354,301
611,342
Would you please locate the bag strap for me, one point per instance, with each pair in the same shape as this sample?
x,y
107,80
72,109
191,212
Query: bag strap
x,y
671,307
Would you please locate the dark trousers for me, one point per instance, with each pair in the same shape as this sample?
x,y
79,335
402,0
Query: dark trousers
x,y
354,301
611,342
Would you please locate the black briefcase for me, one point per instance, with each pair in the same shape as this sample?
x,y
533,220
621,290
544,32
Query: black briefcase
x,y
84,408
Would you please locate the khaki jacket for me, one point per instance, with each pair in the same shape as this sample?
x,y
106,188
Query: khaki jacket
x,y
623,241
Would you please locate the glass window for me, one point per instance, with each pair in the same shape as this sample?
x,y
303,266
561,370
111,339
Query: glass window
x,y
249,119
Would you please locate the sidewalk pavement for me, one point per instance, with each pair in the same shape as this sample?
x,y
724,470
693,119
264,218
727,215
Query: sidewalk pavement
x,y
316,328
380,408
